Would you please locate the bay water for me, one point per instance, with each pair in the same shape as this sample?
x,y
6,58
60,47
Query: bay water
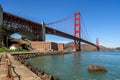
x,y
74,66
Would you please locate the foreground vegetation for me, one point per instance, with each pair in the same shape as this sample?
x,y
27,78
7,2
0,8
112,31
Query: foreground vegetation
x,y
6,40
8,50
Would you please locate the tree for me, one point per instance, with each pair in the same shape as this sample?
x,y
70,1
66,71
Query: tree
x,y
2,34
5,32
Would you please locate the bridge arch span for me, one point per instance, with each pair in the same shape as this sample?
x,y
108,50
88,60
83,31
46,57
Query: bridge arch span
x,y
28,35
32,30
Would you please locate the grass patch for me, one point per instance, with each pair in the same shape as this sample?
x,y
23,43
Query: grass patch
x,y
8,50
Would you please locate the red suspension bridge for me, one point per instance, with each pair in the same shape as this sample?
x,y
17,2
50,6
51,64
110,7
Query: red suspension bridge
x,y
36,32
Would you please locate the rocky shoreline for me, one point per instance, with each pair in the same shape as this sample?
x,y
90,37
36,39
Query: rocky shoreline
x,y
40,73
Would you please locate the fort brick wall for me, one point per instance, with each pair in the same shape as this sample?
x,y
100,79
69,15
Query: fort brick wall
x,y
60,46
42,46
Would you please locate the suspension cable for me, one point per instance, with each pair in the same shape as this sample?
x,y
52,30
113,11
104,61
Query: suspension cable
x,y
59,21
87,35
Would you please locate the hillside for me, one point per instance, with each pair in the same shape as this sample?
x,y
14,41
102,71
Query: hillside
x,y
24,43
20,41
85,47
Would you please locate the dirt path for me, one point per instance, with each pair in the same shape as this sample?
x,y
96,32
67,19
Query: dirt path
x,y
24,72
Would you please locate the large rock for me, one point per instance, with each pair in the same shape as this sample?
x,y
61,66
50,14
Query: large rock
x,y
94,68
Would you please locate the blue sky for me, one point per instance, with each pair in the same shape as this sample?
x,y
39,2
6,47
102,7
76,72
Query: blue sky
x,y
101,17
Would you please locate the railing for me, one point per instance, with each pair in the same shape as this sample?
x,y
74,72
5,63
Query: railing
x,y
11,67
0,58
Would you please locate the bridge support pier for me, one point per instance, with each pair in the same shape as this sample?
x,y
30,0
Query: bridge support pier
x,y
1,15
98,49
43,31
77,46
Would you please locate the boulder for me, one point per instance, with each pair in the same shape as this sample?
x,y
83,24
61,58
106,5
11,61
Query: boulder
x,y
94,68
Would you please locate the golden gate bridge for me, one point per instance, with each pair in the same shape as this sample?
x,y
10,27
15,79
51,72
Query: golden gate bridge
x,y
36,32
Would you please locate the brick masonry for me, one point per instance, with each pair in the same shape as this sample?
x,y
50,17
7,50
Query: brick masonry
x,y
48,46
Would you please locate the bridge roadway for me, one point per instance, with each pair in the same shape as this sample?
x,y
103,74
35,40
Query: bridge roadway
x,y
62,34
12,20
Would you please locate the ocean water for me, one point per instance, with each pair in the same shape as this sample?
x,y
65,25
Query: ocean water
x,y
74,66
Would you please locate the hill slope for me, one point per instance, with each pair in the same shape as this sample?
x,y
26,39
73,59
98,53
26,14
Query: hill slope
x,y
85,47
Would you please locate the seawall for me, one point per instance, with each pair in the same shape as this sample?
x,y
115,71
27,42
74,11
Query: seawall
x,y
21,57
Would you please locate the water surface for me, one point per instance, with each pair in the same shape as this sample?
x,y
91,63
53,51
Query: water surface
x,y
74,66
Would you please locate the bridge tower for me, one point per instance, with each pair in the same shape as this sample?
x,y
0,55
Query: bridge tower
x,y
1,15
97,41
77,44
